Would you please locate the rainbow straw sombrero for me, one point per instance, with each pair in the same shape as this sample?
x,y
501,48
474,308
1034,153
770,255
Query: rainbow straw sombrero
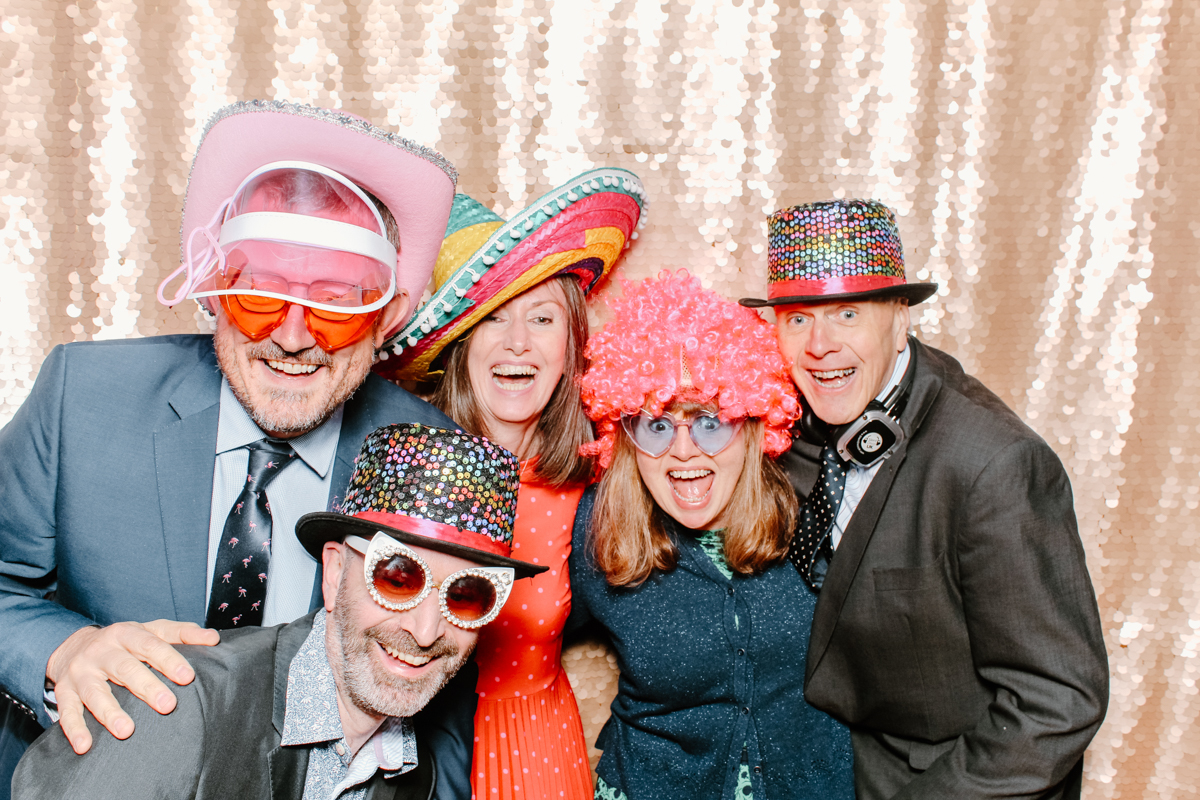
x,y
581,227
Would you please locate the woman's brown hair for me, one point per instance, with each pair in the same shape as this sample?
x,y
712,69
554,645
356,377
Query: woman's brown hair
x,y
562,427
629,538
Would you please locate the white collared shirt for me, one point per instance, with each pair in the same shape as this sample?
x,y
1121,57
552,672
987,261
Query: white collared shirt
x,y
301,488
859,478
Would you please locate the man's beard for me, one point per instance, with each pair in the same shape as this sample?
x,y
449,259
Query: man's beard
x,y
282,411
371,687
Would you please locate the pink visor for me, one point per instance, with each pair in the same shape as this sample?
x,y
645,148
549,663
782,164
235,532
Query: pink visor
x,y
332,256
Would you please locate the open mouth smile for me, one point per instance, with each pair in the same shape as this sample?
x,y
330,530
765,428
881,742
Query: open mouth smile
x,y
832,378
514,377
406,658
691,486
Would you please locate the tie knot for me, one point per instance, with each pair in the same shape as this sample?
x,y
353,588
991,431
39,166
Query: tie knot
x,y
267,444
268,457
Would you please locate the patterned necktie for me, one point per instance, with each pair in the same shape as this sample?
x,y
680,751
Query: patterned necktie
x,y
812,547
239,585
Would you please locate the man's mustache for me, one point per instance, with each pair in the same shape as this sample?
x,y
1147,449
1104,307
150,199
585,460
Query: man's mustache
x,y
268,350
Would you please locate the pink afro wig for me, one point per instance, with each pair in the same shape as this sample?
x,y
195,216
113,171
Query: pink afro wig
x,y
661,325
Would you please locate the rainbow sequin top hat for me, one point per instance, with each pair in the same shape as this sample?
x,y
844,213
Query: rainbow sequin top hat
x,y
429,487
581,227
836,250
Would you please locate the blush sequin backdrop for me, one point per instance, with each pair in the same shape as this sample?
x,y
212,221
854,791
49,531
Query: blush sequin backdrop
x,y
1042,156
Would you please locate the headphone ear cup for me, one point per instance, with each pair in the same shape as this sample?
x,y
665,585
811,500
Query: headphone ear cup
x,y
812,428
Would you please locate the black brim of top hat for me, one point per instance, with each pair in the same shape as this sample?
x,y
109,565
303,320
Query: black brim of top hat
x,y
913,292
314,530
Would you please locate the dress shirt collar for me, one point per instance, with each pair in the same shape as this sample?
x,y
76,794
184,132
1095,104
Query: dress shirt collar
x,y
235,429
897,373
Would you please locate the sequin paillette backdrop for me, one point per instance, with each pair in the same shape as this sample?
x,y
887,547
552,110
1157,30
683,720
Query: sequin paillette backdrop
x,y
1042,156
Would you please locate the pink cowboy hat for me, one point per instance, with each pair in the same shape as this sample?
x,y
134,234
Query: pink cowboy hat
x,y
415,182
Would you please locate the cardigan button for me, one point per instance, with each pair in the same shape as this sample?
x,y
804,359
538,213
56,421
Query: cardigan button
x,y
758,770
741,652
745,709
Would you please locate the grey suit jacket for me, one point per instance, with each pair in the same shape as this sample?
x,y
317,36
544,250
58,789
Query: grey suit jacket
x,y
105,490
221,741
957,632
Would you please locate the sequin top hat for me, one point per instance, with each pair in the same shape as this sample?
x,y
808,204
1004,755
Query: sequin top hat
x,y
414,182
836,250
581,227
443,490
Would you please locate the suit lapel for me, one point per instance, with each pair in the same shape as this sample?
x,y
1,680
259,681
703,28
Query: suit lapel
x,y
289,768
357,423
843,570
844,567
184,453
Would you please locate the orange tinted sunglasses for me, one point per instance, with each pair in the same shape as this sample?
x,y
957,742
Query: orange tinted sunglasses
x,y
257,316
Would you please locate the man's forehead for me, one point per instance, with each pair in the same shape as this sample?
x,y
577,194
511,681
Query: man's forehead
x,y
351,209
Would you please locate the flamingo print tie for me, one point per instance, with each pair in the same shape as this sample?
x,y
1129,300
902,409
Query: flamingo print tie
x,y
239,586
812,549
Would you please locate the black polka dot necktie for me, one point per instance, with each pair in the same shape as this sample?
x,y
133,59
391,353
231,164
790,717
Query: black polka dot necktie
x,y
239,586
812,547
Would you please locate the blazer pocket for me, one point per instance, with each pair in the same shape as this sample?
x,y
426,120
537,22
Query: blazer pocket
x,y
922,755
910,579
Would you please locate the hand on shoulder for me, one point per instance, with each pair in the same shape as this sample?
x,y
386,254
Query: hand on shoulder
x,y
81,668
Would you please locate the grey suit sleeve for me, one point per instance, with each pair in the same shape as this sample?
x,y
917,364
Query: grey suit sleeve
x,y
1034,630
162,759
33,626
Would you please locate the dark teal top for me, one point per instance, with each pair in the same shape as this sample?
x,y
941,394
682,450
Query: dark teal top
x,y
709,665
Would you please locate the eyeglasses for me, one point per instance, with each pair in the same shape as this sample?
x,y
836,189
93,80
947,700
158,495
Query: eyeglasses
x,y
399,579
256,315
655,435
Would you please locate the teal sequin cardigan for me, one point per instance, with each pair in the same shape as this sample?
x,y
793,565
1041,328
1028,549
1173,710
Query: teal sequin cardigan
x,y
711,667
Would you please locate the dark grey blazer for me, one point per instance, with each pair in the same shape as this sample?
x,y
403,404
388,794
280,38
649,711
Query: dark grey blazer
x,y
105,490
957,633
221,741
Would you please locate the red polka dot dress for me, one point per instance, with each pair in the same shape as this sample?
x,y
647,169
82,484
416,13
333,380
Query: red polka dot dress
x,y
528,736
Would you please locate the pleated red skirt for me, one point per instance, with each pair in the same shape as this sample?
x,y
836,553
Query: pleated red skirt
x,y
532,747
